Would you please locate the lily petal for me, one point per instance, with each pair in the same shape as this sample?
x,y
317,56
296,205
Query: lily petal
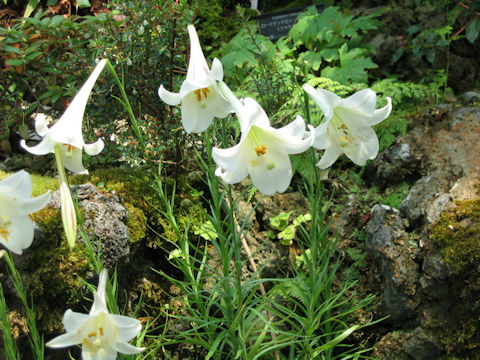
x,y
365,146
381,114
17,185
330,155
68,129
73,160
20,234
128,327
42,148
275,180
64,340
72,321
325,99
41,126
169,97
94,148
126,348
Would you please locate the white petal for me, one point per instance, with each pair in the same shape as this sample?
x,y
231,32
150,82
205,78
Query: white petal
x,y
73,161
327,100
197,65
99,304
64,340
216,71
194,117
126,348
276,179
381,114
41,126
94,148
20,233
68,129
364,147
169,97
42,148
35,204
322,140
251,114
364,100
17,185
107,354
330,155
294,143
72,321
127,327
233,176
228,158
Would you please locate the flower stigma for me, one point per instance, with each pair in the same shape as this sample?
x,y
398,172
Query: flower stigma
x,y
69,152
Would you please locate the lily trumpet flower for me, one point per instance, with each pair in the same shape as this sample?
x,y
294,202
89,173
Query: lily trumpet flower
x,y
199,96
263,150
67,131
102,335
16,203
348,125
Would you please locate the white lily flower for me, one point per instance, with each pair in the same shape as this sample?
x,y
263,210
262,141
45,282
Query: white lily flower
x,y
16,203
67,131
102,335
199,95
263,150
348,125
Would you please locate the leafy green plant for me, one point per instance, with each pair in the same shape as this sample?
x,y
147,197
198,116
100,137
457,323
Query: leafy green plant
x,y
287,232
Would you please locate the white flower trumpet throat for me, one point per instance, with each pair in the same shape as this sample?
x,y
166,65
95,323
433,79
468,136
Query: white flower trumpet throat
x,y
199,95
348,125
263,150
67,131
102,335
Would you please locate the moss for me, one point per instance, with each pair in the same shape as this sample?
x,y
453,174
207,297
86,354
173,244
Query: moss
x,y
52,272
141,199
457,233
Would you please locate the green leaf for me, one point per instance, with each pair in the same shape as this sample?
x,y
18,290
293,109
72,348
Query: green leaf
x,y
301,219
286,236
82,4
12,49
472,30
206,230
33,56
15,62
32,4
280,221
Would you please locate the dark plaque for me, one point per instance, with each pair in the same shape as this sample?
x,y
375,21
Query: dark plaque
x,y
275,25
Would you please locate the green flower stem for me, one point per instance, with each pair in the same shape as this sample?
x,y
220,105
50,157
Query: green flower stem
x,y
68,211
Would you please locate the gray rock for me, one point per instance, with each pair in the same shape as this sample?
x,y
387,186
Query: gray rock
x,y
105,220
470,97
422,198
422,347
393,166
394,266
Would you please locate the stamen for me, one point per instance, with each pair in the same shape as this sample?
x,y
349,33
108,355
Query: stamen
x,y
101,330
261,150
93,333
201,92
4,232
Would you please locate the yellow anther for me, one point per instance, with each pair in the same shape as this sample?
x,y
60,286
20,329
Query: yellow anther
x,y
101,330
4,232
93,333
69,152
201,92
261,150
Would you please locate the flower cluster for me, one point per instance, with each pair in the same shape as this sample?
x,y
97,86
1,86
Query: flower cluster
x,y
262,151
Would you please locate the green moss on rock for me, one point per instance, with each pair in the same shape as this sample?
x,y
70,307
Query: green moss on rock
x,y
457,233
